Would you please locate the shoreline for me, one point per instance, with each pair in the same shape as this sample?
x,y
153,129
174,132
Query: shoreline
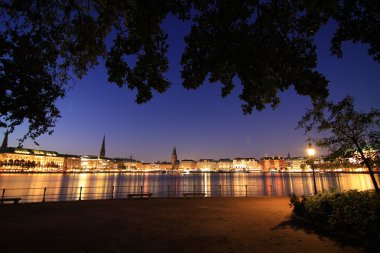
x,y
183,173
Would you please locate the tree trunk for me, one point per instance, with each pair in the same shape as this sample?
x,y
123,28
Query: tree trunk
x,y
369,169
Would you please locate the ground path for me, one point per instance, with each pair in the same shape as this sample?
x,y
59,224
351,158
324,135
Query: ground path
x,y
159,225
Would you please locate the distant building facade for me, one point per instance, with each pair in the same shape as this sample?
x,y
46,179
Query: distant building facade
x,y
164,165
245,164
207,165
296,164
72,163
20,159
225,164
188,165
93,163
274,163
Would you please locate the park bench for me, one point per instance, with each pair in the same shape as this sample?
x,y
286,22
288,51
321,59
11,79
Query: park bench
x,y
194,194
15,200
139,195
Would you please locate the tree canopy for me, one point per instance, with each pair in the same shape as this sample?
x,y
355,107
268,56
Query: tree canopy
x,y
346,132
266,46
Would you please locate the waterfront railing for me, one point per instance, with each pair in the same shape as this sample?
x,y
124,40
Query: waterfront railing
x,y
49,194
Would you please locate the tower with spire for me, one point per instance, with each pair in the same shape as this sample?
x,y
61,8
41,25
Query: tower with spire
x,y
4,144
103,148
174,159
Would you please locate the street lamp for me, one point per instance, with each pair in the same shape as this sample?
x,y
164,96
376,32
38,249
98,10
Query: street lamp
x,y
311,152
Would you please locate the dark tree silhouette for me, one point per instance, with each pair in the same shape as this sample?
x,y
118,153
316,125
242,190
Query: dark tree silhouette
x,y
346,132
266,46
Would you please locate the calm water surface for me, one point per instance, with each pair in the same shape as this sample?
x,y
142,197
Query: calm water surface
x,y
60,187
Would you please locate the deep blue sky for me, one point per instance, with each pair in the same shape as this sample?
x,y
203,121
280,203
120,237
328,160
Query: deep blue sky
x,y
200,123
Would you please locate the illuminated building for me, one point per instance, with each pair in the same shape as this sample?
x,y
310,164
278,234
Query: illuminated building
x,y
174,159
266,164
164,165
96,163
207,165
296,164
188,165
370,154
93,163
72,163
34,160
149,166
274,163
225,164
19,159
132,164
157,166
125,164
245,164
118,163
279,163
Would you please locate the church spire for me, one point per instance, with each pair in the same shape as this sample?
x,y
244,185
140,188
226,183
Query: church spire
x,y
103,148
4,145
174,159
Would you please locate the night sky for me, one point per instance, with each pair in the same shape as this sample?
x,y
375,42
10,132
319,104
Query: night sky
x,y
200,123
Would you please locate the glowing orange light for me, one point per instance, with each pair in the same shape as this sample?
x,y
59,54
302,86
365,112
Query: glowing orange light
x,y
310,150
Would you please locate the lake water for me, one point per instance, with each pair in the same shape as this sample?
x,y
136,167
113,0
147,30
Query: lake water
x,y
61,187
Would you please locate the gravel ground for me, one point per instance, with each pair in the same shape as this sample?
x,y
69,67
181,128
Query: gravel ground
x,y
261,224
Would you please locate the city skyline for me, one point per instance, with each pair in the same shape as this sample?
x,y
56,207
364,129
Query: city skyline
x,y
199,122
102,154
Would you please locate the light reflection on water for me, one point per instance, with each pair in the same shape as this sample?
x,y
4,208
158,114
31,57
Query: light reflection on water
x,y
60,187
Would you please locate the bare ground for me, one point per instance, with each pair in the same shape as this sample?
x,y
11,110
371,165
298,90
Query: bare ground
x,y
161,225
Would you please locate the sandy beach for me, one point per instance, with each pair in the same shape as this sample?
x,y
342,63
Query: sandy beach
x,y
161,225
